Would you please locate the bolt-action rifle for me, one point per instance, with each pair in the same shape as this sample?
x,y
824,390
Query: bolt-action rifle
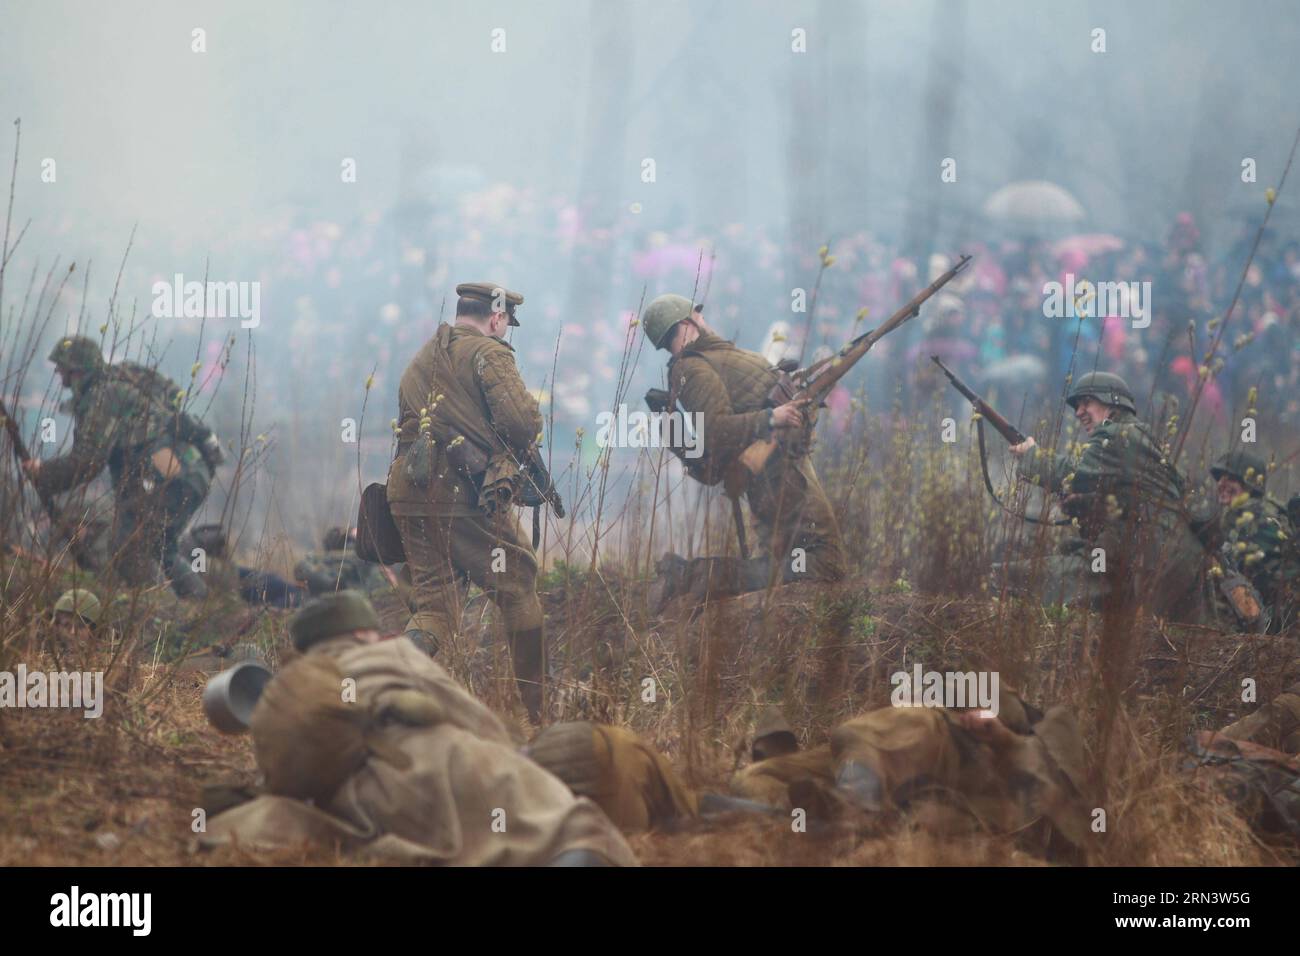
x,y
815,382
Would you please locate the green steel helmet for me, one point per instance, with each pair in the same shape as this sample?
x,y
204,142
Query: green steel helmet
x,y
80,602
1249,469
77,353
662,314
1104,387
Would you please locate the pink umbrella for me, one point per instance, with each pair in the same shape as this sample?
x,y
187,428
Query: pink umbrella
x,y
1088,244
668,259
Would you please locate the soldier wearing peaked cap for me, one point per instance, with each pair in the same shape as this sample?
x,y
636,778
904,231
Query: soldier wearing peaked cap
x,y
1127,501
467,427
728,388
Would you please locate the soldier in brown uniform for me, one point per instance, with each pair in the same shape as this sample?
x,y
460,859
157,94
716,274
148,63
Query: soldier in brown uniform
x,y
467,427
727,388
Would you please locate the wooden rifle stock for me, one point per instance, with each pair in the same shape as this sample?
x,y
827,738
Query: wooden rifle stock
x,y
816,381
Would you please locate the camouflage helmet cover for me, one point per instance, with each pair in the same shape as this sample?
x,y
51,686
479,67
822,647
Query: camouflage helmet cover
x,y
662,314
1104,387
78,353
80,602
1248,469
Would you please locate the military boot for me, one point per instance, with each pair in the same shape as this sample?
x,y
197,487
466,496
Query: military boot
x,y
527,653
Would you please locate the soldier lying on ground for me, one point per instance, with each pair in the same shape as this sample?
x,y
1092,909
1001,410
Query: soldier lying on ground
x,y
1254,762
253,586
338,568
399,761
76,617
949,771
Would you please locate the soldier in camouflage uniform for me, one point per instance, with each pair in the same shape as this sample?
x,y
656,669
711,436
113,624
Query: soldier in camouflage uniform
x,y
338,568
466,428
728,388
1126,499
129,418
1255,536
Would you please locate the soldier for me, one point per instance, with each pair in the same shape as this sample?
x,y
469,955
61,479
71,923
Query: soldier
x,y
728,388
1256,535
337,568
129,418
467,429
949,769
618,771
76,616
403,762
1127,502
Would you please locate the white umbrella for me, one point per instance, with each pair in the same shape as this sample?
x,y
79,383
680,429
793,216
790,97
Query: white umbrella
x,y
1033,201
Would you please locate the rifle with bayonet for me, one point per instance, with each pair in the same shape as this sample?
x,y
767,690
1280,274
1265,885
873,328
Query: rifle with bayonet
x,y
1012,434
814,384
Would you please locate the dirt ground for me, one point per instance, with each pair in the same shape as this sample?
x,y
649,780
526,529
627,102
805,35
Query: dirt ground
x,y
130,788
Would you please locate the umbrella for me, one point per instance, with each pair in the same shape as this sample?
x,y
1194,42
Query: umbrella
x,y
1015,370
1089,244
1033,201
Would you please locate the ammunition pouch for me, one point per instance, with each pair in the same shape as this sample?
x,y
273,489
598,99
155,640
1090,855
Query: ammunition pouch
x,y
419,461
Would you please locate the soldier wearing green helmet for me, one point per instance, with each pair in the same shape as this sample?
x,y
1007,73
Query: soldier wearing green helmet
x,y
727,389
76,616
131,419
1132,542
1254,536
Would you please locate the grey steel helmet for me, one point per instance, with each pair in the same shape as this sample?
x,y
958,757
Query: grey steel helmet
x,y
1104,387
1248,469
662,314
77,353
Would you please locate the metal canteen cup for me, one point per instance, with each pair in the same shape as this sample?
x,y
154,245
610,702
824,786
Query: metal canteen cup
x,y
229,697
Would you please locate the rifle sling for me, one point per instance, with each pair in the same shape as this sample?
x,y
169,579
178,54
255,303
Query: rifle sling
x,y
984,470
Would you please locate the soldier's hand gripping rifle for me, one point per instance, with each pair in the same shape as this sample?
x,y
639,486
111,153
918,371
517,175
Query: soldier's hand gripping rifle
x,y
815,382
47,501
1012,434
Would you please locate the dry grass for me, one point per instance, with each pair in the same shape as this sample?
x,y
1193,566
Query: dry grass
x,y
122,789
